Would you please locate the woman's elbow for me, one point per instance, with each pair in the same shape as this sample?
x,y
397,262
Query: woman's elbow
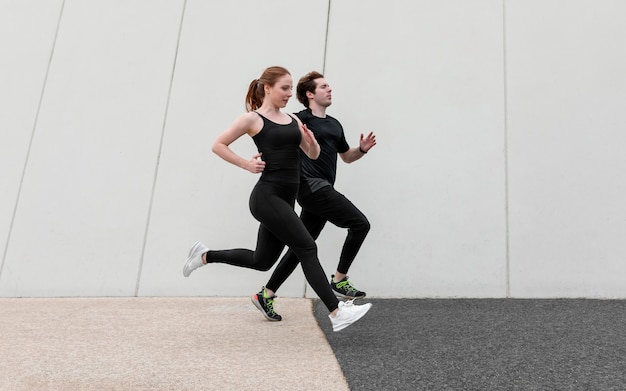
x,y
215,148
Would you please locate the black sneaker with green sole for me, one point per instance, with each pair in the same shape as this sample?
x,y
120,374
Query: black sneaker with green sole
x,y
344,289
266,306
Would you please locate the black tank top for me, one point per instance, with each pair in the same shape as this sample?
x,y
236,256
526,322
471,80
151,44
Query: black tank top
x,y
279,145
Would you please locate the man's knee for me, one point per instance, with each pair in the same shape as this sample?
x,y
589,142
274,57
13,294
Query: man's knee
x,y
362,226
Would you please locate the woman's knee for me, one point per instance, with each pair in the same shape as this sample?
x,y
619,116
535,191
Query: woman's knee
x,y
264,266
305,251
264,261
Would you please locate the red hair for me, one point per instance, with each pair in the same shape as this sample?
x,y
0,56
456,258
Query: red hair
x,y
256,90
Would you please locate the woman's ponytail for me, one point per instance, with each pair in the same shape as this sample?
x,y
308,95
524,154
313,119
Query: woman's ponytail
x,y
255,95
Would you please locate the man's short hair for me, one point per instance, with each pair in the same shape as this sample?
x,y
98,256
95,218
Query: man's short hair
x,y
307,83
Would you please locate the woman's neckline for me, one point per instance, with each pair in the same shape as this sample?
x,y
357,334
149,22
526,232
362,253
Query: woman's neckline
x,y
274,122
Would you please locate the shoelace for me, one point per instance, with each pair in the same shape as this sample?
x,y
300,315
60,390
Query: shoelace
x,y
347,284
270,305
348,303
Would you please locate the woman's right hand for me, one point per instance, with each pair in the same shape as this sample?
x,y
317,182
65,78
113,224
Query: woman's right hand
x,y
256,165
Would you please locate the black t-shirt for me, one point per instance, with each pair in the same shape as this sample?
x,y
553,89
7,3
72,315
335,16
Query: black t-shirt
x,y
279,145
316,174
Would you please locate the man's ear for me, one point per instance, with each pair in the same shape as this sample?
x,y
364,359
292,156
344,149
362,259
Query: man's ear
x,y
310,95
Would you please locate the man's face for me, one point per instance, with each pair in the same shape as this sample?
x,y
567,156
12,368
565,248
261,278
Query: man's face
x,y
323,93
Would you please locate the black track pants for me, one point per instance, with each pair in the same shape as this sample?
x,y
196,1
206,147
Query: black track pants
x,y
326,204
272,204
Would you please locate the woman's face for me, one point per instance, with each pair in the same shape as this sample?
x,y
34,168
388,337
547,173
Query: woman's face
x,y
280,92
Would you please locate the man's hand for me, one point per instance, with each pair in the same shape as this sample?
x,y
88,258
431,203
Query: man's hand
x,y
367,143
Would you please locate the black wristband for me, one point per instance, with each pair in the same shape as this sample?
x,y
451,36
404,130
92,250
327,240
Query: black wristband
x,y
362,151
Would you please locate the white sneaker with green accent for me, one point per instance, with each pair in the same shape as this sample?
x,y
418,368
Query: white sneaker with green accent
x,y
348,313
194,260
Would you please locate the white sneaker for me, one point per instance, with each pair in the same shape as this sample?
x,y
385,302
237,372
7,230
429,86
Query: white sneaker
x,y
194,260
348,313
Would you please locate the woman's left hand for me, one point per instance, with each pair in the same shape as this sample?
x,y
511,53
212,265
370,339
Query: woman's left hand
x,y
309,137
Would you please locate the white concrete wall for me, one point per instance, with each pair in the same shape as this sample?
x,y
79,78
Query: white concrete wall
x,y
499,170
566,107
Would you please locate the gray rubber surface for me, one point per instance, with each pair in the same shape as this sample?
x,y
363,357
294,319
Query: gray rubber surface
x,y
483,344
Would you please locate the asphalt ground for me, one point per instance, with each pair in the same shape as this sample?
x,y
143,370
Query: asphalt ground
x,y
483,344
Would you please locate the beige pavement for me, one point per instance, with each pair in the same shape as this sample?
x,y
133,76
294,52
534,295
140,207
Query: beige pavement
x,y
162,344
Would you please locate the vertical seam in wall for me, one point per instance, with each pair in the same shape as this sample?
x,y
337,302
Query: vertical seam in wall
x,y
158,159
323,72
30,142
326,37
506,156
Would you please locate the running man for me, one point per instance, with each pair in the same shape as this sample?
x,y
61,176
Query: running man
x,y
317,196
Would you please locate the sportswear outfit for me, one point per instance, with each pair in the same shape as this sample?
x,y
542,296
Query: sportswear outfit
x,y
272,203
320,201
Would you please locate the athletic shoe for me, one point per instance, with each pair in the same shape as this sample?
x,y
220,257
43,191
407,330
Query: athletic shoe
x,y
266,306
348,313
344,289
194,260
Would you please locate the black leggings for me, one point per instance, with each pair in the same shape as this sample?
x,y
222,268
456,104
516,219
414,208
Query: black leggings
x,y
272,204
326,204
